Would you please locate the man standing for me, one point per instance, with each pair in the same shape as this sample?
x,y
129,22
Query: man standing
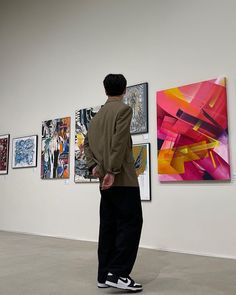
x,y
108,150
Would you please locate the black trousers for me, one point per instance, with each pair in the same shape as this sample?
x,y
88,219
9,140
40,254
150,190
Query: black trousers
x,y
120,229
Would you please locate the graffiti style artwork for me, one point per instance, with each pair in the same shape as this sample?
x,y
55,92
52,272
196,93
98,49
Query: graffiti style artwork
x,y
24,151
82,120
4,153
141,154
55,155
137,98
192,132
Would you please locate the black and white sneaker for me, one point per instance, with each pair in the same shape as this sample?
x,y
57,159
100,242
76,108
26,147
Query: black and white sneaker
x,y
102,285
123,283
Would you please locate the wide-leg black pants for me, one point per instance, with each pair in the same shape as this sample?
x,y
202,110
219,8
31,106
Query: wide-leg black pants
x,y
120,229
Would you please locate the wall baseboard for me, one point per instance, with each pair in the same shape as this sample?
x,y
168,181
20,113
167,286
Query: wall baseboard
x,y
187,252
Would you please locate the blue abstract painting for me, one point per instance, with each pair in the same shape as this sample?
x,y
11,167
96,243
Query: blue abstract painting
x,y
25,152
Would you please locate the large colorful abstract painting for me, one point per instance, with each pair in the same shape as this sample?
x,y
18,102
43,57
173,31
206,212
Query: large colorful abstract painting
x,y
141,154
55,155
4,153
137,98
24,151
192,132
82,120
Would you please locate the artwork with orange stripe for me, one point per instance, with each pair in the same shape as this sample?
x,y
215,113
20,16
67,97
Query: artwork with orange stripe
x,y
192,132
141,155
55,156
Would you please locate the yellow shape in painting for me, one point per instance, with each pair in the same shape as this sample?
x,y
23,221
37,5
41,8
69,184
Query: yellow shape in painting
x,y
164,162
197,125
217,92
140,156
212,141
177,93
184,150
213,101
80,139
171,161
212,159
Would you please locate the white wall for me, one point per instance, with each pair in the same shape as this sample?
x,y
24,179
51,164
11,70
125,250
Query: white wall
x,y
53,58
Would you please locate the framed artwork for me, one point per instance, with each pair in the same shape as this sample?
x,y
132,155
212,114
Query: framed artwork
x,y
24,151
82,120
137,98
55,154
192,132
141,154
4,153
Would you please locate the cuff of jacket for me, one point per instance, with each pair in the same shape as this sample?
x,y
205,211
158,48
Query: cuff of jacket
x,y
112,171
90,168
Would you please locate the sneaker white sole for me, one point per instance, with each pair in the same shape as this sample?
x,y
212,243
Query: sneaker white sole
x,y
102,286
123,287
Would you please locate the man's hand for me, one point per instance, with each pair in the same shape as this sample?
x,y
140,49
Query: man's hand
x,y
108,181
95,172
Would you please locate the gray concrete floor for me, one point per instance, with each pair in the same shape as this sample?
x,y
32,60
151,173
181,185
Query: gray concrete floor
x,y
34,265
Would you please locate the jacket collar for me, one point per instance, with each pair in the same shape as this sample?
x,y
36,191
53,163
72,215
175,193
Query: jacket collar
x,y
114,99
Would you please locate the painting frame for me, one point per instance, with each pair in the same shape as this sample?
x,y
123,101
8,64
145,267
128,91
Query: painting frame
x,y
55,149
34,138
7,137
144,180
135,93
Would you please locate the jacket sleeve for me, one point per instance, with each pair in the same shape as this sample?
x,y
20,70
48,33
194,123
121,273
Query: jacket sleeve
x,y
120,140
88,154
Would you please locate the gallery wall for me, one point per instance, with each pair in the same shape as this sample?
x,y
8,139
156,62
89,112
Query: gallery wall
x,y
53,57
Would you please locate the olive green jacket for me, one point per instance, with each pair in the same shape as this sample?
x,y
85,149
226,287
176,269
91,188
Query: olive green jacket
x,y
108,143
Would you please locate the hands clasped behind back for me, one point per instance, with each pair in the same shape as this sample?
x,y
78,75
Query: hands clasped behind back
x,y
108,179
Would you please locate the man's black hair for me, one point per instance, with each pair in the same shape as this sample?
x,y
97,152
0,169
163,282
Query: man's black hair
x,y
114,84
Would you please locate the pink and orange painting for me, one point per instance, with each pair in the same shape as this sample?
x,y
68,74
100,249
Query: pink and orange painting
x,y
192,132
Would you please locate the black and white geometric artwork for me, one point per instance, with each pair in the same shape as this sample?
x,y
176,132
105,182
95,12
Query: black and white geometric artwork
x,y
82,120
137,98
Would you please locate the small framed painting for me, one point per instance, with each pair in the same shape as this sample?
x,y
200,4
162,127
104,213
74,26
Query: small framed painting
x,y
24,151
137,98
4,153
141,154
